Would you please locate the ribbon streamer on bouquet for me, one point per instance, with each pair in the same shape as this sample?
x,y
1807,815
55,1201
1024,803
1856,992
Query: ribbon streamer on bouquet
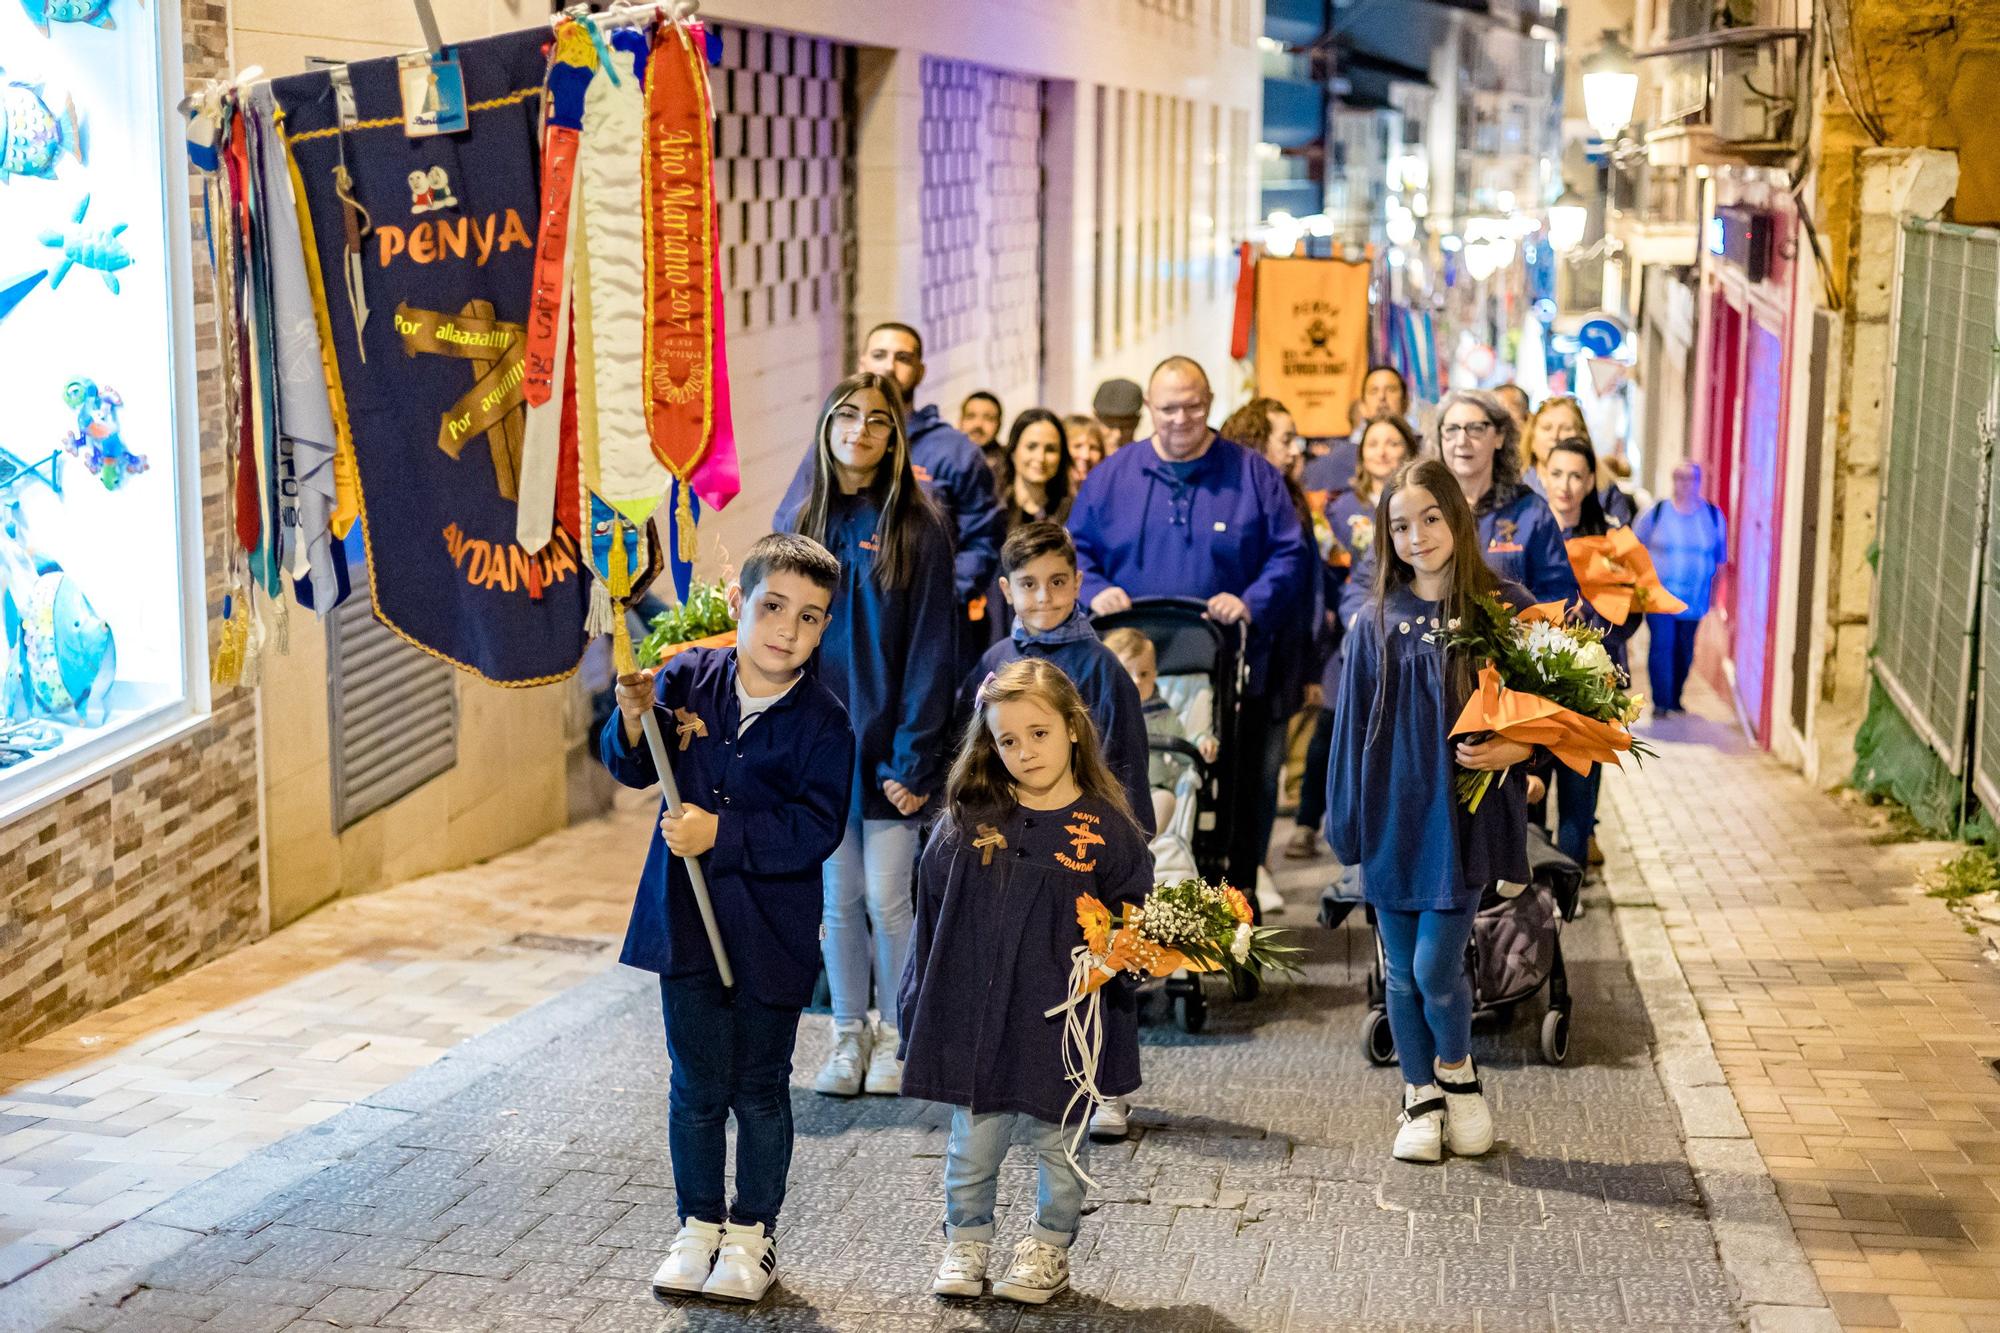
x,y
1082,1045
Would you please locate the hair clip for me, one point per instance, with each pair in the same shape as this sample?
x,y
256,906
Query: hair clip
x,y
979,695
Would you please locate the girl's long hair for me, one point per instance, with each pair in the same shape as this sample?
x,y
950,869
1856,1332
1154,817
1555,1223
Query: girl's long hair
x,y
1469,579
980,786
1591,521
1059,485
1362,483
1506,454
903,504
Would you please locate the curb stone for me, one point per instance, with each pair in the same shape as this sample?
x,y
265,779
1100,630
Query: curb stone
x,y
115,1259
1777,1288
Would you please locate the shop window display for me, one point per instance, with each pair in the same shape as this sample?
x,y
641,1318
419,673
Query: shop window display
x,y
93,390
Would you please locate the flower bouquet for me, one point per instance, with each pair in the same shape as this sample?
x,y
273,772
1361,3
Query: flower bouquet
x,y
1188,924
1546,681
1617,576
701,621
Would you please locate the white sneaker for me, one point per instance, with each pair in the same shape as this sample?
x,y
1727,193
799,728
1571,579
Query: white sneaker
x,y
689,1259
963,1272
1111,1122
1039,1273
1420,1137
746,1267
1468,1123
840,1076
885,1071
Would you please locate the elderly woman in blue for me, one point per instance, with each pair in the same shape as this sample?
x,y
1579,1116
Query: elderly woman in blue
x,y
1477,439
1393,808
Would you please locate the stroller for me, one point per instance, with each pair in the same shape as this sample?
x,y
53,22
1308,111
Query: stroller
x,y
1516,949
1199,660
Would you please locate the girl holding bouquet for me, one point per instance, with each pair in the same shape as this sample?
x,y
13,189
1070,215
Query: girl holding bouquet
x,y
1569,480
1425,858
1033,819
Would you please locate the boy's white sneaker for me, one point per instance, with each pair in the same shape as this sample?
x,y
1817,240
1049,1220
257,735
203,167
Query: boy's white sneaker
x,y
1112,1121
963,1270
746,1267
842,1074
689,1259
885,1071
1038,1274
1468,1122
1420,1136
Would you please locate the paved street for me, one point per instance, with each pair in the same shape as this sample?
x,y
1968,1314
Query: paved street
x,y
1258,1194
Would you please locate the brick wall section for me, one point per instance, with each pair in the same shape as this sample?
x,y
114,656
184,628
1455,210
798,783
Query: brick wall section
x,y
153,868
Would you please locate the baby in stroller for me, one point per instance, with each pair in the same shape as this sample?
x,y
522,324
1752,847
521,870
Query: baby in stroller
x,y
1179,708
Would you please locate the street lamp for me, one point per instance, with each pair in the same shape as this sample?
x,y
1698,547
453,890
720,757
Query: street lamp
x,y
1610,86
1569,216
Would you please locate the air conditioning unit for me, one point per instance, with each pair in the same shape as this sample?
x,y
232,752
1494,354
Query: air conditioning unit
x,y
1751,96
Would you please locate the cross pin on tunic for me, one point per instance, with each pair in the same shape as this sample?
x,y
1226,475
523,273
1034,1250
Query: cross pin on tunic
x,y
989,838
690,726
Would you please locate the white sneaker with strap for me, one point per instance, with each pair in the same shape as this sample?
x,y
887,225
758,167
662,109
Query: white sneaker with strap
x,y
1039,1273
746,1267
1420,1135
885,1071
963,1270
841,1075
1468,1121
689,1259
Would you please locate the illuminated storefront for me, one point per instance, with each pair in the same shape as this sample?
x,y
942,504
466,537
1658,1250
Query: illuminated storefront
x,y
99,553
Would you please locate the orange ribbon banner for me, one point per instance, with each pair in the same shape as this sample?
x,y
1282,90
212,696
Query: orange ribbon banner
x,y
680,254
1616,575
1312,338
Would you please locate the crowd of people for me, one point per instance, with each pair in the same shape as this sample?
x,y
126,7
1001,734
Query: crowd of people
x,y
945,753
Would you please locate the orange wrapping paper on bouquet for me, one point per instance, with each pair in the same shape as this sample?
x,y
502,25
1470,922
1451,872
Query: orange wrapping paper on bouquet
x,y
1574,739
1616,574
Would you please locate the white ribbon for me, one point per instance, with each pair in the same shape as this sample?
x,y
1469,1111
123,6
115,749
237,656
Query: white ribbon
x,y
1083,1048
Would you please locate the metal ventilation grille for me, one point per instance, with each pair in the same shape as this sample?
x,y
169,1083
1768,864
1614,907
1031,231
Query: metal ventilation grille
x,y
392,710
1932,527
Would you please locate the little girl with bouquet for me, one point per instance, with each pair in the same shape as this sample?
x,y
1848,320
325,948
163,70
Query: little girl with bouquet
x,y
1033,820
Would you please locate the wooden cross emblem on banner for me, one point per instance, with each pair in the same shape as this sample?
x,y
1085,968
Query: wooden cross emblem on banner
x,y
492,406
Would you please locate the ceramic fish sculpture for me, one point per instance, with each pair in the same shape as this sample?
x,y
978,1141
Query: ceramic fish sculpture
x,y
41,13
90,247
34,137
67,656
96,441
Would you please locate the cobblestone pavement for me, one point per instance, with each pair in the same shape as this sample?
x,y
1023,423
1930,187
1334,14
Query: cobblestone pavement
x,y
1258,1192
1855,1020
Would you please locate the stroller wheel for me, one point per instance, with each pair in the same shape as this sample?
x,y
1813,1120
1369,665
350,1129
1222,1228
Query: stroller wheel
x,y
1378,1042
1191,1009
1555,1036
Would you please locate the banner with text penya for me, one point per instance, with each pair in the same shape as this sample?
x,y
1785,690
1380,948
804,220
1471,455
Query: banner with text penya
x,y
426,244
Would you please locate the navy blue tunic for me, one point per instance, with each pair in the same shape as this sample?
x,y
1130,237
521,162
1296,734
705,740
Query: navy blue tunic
x,y
990,953
1223,523
1391,806
779,795
1523,545
1109,694
888,654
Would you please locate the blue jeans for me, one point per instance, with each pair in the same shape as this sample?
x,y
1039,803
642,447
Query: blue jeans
x,y
1669,656
1576,811
1429,990
972,1159
729,1053
868,894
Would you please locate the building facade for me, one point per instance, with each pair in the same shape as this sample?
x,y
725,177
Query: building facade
x,y
1053,195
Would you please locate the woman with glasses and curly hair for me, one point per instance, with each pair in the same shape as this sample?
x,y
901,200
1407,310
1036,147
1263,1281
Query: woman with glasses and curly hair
x,y
1477,439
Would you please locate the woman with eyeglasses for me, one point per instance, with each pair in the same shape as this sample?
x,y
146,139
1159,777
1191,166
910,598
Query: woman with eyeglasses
x,y
1479,442
888,653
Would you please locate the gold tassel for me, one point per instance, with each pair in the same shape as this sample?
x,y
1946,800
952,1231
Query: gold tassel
x,y
684,523
619,585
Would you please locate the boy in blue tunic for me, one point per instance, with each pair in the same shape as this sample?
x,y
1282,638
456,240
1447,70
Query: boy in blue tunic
x,y
1039,579
764,758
